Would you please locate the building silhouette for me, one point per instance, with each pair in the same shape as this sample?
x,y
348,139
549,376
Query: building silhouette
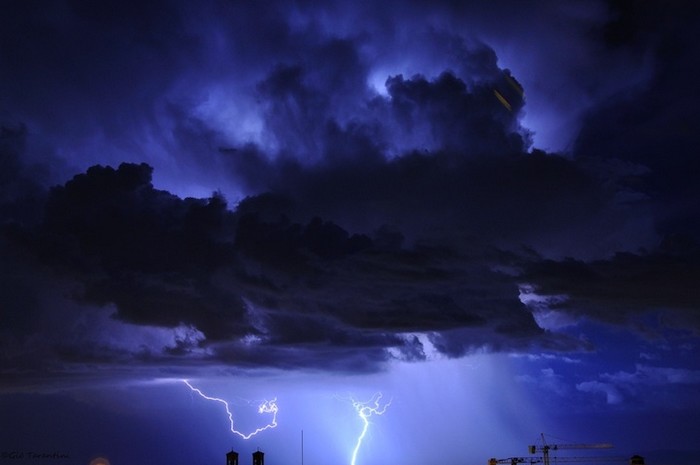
x,y
232,458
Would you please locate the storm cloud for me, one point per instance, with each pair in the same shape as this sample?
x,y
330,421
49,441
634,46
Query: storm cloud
x,y
345,223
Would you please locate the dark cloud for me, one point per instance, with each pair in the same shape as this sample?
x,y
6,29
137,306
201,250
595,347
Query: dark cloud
x,y
150,253
444,114
22,184
628,286
77,70
652,126
642,141
253,279
380,207
109,98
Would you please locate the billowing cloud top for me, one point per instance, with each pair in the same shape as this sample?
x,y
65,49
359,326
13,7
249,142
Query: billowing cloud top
x,y
377,195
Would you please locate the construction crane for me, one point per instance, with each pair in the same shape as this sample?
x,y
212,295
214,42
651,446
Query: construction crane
x,y
545,448
533,460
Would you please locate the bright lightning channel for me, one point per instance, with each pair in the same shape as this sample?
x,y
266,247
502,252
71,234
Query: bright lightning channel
x,y
267,406
366,410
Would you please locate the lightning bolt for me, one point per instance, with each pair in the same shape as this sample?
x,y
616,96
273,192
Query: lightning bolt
x,y
267,406
366,410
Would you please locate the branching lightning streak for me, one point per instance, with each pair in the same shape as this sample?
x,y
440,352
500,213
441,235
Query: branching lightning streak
x,y
267,406
366,410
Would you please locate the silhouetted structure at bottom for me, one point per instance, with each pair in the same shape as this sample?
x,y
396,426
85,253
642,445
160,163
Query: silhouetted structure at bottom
x,y
634,460
232,458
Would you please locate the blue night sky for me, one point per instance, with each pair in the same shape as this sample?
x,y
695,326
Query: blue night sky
x,y
484,212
